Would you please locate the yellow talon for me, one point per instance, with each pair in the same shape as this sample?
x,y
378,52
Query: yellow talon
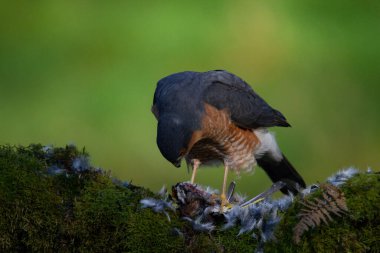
x,y
225,205
223,198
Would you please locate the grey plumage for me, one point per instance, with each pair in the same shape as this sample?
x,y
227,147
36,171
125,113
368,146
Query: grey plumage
x,y
200,226
157,205
185,93
342,176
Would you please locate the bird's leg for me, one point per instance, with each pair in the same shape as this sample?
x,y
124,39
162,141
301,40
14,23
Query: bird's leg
x,y
196,164
223,196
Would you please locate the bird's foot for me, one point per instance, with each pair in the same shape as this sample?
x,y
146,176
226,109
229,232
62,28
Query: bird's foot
x,y
225,204
223,199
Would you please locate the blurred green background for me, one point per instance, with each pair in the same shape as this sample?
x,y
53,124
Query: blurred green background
x,y
84,72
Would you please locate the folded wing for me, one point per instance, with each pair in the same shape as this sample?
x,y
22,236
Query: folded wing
x,y
246,108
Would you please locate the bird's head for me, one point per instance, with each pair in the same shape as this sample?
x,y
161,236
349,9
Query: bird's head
x,y
172,138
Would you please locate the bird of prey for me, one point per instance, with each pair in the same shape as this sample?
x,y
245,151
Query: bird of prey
x,y
216,117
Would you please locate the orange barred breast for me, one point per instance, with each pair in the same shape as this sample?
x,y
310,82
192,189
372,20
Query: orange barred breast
x,y
220,140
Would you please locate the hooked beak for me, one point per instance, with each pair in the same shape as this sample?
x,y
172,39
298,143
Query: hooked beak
x,y
178,162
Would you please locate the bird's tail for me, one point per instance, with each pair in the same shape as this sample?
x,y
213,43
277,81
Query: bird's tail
x,y
284,171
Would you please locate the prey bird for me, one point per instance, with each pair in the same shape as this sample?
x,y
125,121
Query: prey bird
x,y
215,117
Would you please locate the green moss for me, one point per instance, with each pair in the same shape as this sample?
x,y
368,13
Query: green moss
x,y
29,213
100,217
232,243
203,242
358,231
83,212
86,212
151,232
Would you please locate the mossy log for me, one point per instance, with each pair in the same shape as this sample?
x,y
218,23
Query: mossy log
x,y
52,200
